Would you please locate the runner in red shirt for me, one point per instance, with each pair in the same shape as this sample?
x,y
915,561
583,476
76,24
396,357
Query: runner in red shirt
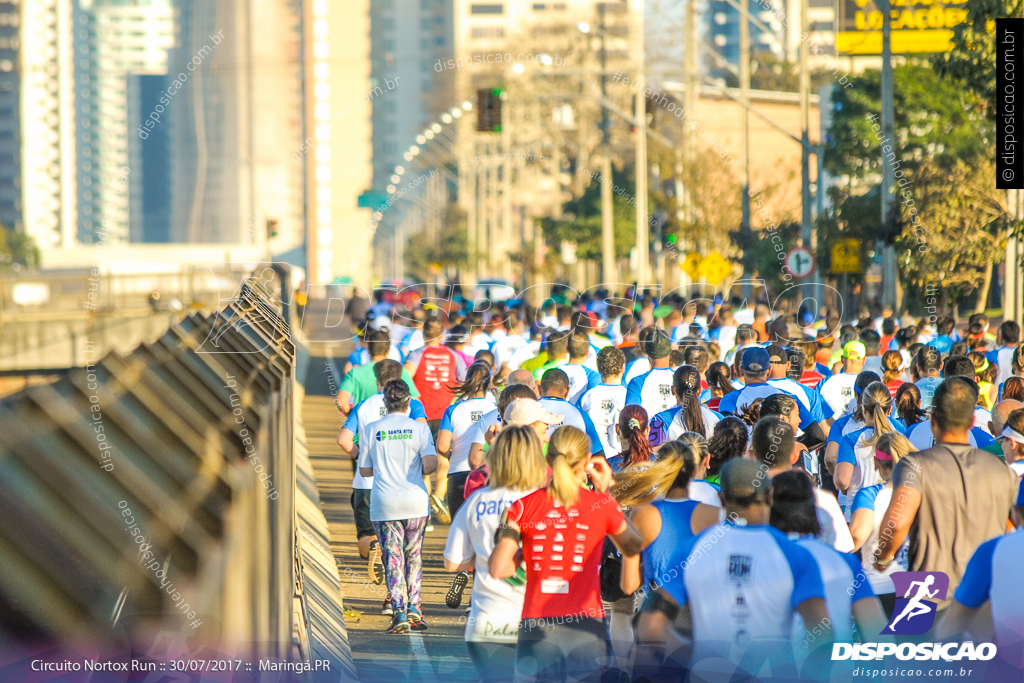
x,y
436,370
563,634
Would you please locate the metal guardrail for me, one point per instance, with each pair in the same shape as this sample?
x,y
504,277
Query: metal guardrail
x,y
151,491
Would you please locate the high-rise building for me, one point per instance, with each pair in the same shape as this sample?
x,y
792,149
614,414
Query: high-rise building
x,y
116,43
337,153
10,118
46,104
410,42
722,26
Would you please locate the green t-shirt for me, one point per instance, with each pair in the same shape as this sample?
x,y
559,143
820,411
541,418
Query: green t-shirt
x,y
538,374
361,384
532,364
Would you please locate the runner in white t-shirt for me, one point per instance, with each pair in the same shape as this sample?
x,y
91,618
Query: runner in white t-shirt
x,y
517,468
400,453
603,402
455,434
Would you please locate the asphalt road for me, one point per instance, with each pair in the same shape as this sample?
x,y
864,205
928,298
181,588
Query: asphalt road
x,y
438,654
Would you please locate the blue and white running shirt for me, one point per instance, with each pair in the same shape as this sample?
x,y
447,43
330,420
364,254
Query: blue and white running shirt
x,y
461,419
876,498
602,404
993,574
838,392
581,378
810,398
734,402
652,390
759,576
670,423
852,450
838,573
574,417
634,369
362,416
921,436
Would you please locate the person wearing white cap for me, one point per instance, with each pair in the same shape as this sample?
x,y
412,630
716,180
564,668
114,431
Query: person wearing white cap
x,y
1012,441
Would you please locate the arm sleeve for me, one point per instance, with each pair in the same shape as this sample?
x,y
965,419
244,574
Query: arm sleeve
x,y
847,449
459,546
865,498
835,432
728,402
414,358
806,576
974,588
807,417
861,586
446,419
416,410
515,511
822,409
633,390
412,387
348,385
352,422
613,514
595,438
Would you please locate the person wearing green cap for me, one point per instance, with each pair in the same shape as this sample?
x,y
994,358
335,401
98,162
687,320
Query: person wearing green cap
x,y
837,390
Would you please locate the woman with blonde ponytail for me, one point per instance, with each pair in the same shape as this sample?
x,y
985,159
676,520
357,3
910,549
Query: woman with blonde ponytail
x,y
562,528
855,461
668,522
868,509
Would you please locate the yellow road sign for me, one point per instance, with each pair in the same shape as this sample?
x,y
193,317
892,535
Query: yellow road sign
x,y
690,264
714,268
846,255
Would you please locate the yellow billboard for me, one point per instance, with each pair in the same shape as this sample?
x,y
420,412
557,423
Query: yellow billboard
x,y
917,26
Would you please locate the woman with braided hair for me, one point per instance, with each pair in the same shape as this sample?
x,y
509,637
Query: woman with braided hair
x,y
688,415
633,432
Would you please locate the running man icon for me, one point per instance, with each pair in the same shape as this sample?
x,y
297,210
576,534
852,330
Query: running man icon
x,y
915,611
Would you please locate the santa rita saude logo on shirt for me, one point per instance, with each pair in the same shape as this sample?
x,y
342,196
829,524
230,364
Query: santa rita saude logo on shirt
x,y
394,435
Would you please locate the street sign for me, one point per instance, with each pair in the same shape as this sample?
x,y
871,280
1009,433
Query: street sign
x,y
846,255
372,200
714,268
690,264
918,26
800,262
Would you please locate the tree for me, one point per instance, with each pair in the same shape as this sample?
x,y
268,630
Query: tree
x,y
957,239
972,61
17,249
449,248
934,118
584,228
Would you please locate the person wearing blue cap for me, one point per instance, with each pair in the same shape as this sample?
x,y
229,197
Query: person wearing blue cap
x,y
755,364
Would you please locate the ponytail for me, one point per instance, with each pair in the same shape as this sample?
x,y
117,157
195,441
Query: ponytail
x,y
877,401
674,468
908,404
568,449
686,384
633,428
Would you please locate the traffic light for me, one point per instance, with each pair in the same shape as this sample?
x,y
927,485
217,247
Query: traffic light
x,y
488,110
271,228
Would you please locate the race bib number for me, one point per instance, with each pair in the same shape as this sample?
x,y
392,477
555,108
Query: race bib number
x,y
554,586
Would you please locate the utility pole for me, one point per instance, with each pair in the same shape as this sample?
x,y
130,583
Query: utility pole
x,y
642,240
1013,305
805,154
607,216
889,272
689,97
745,96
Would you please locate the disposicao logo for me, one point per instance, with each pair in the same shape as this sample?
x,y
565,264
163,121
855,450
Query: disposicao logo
x,y
914,615
915,611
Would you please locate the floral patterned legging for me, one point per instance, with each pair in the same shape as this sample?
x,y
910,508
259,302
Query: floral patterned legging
x,y
401,542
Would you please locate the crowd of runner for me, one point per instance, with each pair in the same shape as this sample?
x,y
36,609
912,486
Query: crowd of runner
x,y
637,485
